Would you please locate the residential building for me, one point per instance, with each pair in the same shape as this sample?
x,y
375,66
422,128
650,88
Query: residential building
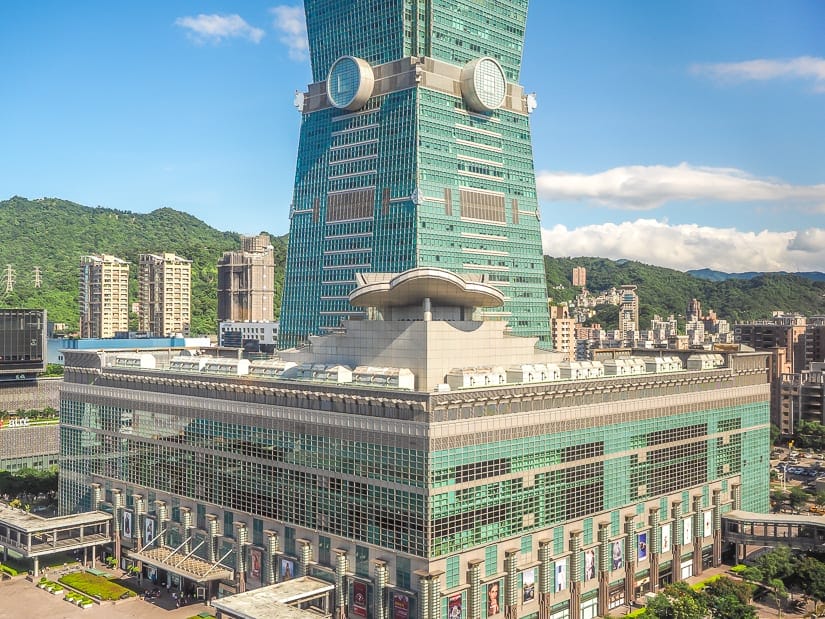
x,y
563,331
165,294
415,150
802,398
421,460
694,311
104,295
245,281
628,309
783,332
580,277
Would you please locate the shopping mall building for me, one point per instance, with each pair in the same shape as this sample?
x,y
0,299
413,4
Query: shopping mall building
x,y
426,463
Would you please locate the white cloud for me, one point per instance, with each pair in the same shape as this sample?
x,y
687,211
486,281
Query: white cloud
x,y
685,247
290,23
216,28
803,67
649,187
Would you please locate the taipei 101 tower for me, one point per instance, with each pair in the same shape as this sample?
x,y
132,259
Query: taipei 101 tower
x,y
414,152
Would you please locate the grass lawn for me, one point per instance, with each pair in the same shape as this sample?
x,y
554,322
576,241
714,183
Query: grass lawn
x,y
96,586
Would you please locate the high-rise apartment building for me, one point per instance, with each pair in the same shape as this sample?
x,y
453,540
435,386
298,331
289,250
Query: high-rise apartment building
x,y
165,294
694,311
245,281
580,277
628,309
563,331
415,150
104,296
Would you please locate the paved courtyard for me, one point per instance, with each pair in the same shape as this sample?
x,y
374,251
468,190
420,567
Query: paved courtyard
x,y
21,599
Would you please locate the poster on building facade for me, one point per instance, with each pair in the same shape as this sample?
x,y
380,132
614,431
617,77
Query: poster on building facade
x,y
528,589
589,564
666,538
708,522
148,531
359,598
687,531
126,530
493,598
255,560
286,569
454,610
400,606
561,575
617,555
642,547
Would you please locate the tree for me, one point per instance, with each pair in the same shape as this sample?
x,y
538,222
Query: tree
x,y
775,433
778,499
811,573
677,601
797,497
778,592
730,599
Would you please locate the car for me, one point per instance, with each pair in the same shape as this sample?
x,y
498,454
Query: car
x,y
807,455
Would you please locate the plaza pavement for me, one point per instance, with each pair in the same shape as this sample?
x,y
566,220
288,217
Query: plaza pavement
x,y
21,599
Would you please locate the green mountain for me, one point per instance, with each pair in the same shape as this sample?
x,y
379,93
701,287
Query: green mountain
x,y
665,291
53,234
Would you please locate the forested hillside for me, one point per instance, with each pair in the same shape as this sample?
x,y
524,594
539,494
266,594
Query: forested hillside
x,y
665,291
53,234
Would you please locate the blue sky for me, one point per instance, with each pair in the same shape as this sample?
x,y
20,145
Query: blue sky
x,y
684,134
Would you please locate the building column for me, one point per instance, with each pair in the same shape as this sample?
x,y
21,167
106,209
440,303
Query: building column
x,y
140,515
630,558
271,554
654,547
241,542
575,574
698,534
546,576
36,566
736,490
97,496
381,582
424,610
717,528
604,567
186,526
341,567
304,556
117,507
511,583
162,512
676,540
474,596
213,533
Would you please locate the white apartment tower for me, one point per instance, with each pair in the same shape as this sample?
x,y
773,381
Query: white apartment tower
x,y
104,296
165,294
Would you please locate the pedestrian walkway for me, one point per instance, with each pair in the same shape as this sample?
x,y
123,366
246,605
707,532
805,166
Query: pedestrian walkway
x,y
20,593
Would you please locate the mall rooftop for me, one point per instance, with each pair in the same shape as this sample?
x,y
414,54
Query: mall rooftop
x,y
422,334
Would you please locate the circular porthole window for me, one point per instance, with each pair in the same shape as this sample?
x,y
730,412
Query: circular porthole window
x,y
350,83
483,84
